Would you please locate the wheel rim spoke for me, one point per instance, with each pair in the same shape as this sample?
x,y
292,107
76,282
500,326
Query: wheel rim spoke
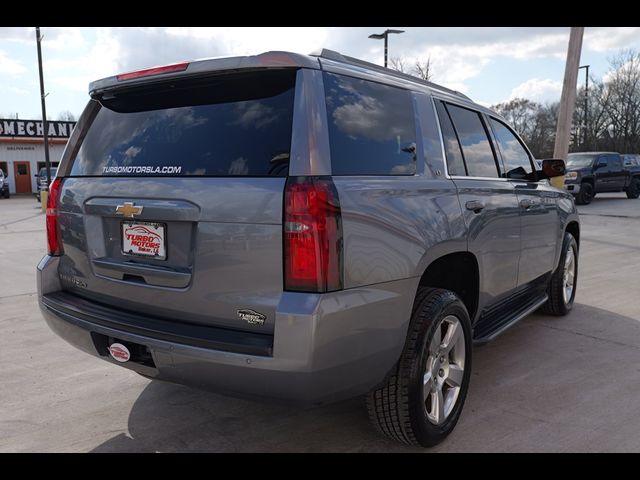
x,y
434,346
427,384
453,335
454,378
437,406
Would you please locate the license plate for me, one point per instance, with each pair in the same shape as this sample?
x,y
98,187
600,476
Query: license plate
x,y
144,239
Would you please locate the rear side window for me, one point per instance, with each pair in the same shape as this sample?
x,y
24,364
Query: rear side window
x,y
477,151
516,159
372,128
615,161
455,162
234,125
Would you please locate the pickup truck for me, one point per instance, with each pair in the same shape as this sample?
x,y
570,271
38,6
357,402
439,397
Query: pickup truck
x,y
589,173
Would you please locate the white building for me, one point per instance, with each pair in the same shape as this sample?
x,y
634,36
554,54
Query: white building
x,y
22,150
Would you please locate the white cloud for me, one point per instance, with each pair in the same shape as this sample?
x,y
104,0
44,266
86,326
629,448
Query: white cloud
x,y
76,56
57,38
10,66
538,90
603,39
99,61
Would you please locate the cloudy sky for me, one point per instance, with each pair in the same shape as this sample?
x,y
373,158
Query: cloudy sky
x,y
489,64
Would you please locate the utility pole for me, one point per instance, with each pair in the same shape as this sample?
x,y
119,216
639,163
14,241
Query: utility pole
x,y
45,126
586,103
568,98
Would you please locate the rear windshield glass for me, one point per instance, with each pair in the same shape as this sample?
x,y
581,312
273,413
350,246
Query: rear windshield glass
x,y
235,125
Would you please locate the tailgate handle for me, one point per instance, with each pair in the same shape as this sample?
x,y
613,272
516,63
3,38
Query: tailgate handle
x,y
142,274
127,277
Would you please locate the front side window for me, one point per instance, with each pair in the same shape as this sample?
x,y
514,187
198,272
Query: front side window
x,y
603,162
477,151
372,127
516,160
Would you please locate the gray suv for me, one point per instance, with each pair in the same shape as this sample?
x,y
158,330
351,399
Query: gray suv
x,y
303,228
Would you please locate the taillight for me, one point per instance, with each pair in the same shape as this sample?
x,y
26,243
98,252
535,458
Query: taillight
x,y
148,72
312,235
54,241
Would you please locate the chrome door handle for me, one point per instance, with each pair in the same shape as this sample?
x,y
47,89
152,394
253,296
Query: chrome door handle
x,y
526,203
475,205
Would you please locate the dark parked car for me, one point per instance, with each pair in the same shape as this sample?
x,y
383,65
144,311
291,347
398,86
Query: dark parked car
x,y
4,185
42,180
307,228
589,173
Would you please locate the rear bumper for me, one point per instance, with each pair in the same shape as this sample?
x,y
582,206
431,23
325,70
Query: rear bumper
x,y
324,348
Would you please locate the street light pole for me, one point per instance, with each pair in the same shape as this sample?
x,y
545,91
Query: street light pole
x,y
385,35
586,102
45,127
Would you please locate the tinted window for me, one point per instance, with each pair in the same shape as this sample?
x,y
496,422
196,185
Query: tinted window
x,y
455,162
515,157
476,148
43,172
615,162
236,125
371,127
579,160
603,162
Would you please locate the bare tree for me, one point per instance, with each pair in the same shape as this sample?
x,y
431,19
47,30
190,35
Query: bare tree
x,y
534,122
621,102
67,116
422,69
398,63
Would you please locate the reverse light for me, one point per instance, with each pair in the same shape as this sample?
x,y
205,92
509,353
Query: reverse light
x,y
312,235
148,72
54,239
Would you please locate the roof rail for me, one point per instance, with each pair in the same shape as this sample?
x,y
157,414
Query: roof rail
x,y
338,57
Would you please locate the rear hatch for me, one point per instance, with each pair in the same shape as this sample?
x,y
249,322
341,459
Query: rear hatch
x,y
173,204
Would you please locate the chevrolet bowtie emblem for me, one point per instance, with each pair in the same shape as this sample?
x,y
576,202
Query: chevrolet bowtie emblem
x,y
129,210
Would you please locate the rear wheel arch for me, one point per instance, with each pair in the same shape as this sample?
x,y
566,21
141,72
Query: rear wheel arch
x,y
457,272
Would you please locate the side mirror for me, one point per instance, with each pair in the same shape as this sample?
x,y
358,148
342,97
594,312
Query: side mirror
x,y
553,167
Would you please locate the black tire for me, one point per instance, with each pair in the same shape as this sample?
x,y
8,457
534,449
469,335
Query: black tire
x,y
7,195
633,190
398,409
556,304
585,196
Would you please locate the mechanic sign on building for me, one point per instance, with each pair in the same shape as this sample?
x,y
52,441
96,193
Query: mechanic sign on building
x,y
22,150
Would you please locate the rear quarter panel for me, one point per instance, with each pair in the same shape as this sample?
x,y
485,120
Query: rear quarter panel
x,y
395,226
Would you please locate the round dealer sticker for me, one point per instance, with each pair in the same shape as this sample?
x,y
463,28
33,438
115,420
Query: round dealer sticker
x,y
119,352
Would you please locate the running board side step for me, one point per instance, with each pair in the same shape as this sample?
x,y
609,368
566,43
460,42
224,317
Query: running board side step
x,y
528,309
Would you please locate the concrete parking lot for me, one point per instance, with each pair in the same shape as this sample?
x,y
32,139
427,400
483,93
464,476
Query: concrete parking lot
x,y
548,384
